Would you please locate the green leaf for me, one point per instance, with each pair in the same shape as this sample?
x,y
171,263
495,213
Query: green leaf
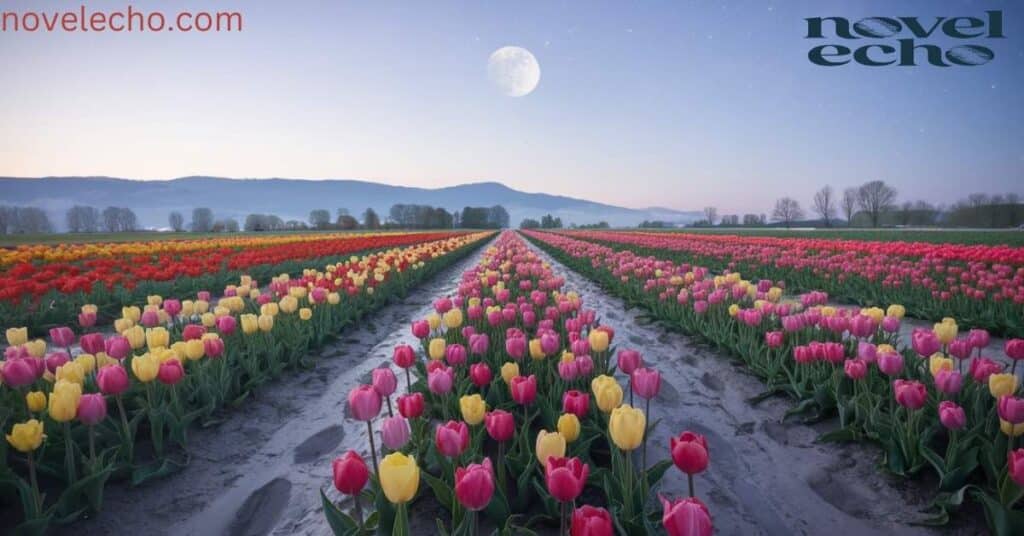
x,y
442,491
341,523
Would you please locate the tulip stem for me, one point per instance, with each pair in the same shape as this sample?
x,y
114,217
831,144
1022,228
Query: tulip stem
x,y
359,508
92,445
69,454
561,510
689,477
127,430
390,412
408,380
501,467
627,478
373,448
36,501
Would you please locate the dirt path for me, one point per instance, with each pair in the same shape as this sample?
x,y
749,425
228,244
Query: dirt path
x,y
260,471
765,477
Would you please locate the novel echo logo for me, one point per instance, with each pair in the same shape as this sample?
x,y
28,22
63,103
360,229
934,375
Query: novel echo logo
x,y
910,41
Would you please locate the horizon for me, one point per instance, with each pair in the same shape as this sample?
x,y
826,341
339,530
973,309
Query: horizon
x,y
666,106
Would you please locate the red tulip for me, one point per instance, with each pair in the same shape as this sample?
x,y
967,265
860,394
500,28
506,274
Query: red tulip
x,y
170,372
364,403
686,517
565,478
213,348
591,521
474,485
112,379
524,389
452,438
500,424
1014,348
350,473
420,329
1015,466
910,394
690,452
411,405
480,374
404,356
576,402
192,332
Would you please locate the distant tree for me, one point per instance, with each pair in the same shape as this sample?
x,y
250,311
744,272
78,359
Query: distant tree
x,y
82,219
906,213
497,217
111,219
294,225
787,210
26,220
849,204
202,220
730,220
347,223
1013,208
710,214
875,197
126,220
653,224
825,205
529,223
319,218
370,219
7,215
550,222
177,221
751,219
231,225
342,212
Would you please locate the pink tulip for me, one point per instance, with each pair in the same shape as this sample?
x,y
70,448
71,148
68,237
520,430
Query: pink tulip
x,y
226,324
421,329
629,360
92,409
171,372
1011,409
951,415
62,336
686,517
982,367
92,343
56,360
451,438
474,485
1014,349
646,382
479,343
585,365
364,403
117,347
855,369
773,339
394,432
86,320
192,332
440,380
112,379
455,354
949,382
910,394
20,371
172,307
960,348
568,370
890,363
924,342
516,347
213,348
150,319
384,381
978,338
1015,466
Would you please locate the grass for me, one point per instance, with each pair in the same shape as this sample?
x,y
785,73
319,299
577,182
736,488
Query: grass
x,y
936,236
136,236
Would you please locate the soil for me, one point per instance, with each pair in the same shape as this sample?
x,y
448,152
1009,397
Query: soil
x,y
260,471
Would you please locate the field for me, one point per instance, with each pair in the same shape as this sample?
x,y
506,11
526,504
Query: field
x,y
932,235
522,382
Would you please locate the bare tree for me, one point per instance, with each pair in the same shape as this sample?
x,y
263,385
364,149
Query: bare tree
x,y
320,218
111,220
7,214
126,219
370,219
177,221
710,214
202,220
825,205
849,204
1013,200
875,197
82,219
787,210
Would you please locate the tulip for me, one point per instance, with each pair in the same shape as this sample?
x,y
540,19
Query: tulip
x,y
890,363
890,324
451,438
523,389
213,347
629,360
686,517
626,427
474,485
960,348
910,394
411,405
565,478
112,380
576,402
436,348
441,380
569,427
92,409
64,401
945,332
855,369
18,372
1003,384
937,362
404,356
1014,349
924,342
170,372
607,393
599,340
394,432
17,336
384,381
86,319
509,371
421,329
27,436
549,444
473,409
1011,430
156,338
62,336
585,364
591,521
350,473
455,354
689,452
117,347
949,382
982,368
364,403
500,425
480,374
951,415
92,343
36,401
516,347
1014,466
1011,409
399,477
227,324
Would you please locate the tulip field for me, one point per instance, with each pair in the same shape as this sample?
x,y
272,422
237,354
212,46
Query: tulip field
x,y
533,382
87,406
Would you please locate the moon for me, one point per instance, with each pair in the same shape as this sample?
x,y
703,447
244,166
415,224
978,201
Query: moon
x,y
514,71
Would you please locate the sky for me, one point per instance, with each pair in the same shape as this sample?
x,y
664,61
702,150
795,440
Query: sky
x,y
673,104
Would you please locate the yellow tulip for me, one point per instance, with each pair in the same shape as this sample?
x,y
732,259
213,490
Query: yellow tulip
x,y
36,401
132,313
64,400
473,409
734,310
1004,384
179,350
289,304
334,298
774,294
202,307
145,367
158,337
886,349
161,355
188,308
90,308
305,313
27,436
828,310
208,319
269,309
194,349
509,370
399,477
87,362
945,331
938,362
607,393
626,426
249,323
154,300
265,323
72,371
1012,430
220,311
434,321
569,427
567,357
297,292
436,348
549,444
102,360
598,340
453,318
123,324
36,348
536,351
896,310
136,336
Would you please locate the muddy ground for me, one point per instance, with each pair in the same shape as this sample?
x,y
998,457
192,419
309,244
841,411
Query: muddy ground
x,y
260,471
